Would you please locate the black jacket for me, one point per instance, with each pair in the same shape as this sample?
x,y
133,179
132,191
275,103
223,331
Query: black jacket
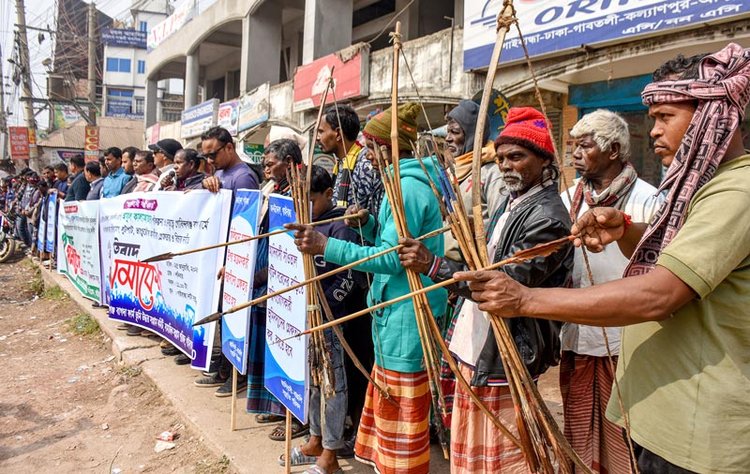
x,y
79,188
539,219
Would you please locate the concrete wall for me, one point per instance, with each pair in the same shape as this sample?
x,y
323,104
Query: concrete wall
x,y
438,75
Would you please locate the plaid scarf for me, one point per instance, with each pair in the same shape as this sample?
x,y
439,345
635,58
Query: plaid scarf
x,y
614,196
723,92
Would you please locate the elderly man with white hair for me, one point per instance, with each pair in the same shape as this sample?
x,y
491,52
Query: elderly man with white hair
x,y
600,154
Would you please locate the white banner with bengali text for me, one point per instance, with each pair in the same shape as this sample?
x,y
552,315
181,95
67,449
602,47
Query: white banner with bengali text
x,y
78,246
286,366
165,297
239,271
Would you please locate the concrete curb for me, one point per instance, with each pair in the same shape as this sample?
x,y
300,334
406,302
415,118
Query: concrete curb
x,y
248,448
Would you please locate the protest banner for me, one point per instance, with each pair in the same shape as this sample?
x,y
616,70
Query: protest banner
x,y
78,246
286,368
239,271
49,243
41,232
164,297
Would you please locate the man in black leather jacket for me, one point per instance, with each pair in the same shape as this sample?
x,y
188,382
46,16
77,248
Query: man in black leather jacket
x,y
531,213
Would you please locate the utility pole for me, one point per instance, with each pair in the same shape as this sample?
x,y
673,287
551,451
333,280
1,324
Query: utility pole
x,y
23,57
92,61
3,116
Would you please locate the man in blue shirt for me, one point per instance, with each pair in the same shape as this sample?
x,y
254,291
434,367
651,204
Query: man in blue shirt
x,y
117,177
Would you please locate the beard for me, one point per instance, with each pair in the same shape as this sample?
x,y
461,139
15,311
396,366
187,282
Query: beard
x,y
514,181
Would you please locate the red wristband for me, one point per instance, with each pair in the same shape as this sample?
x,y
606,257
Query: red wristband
x,y
627,221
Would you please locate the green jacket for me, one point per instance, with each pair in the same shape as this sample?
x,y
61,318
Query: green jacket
x,y
394,328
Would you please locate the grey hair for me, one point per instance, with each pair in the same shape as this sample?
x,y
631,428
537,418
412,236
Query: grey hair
x,y
605,128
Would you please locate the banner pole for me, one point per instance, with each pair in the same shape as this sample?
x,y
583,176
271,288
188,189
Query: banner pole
x,y
233,424
288,443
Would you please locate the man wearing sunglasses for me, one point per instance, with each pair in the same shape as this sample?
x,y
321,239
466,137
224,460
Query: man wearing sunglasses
x,y
164,153
231,172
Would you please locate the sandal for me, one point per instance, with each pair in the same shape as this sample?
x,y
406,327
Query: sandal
x,y
298,458
263,418
319,470
279,433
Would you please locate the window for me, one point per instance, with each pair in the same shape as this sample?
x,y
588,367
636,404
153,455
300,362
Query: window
x,y
141,66
143,27
119,102
118,65
139,105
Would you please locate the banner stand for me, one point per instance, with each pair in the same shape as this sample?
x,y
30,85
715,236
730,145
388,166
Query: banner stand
x,y
288,443
233,423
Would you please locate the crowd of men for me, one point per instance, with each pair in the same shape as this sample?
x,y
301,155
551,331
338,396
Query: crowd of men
x,y
666,274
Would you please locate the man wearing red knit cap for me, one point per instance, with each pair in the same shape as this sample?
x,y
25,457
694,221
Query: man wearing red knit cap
x,y
531,213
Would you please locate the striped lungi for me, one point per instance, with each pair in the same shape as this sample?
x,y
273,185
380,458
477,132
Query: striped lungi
x,y
477,446
259,400
395,439
586,384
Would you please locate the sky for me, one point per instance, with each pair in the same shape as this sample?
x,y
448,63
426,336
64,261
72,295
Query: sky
x,y
39,13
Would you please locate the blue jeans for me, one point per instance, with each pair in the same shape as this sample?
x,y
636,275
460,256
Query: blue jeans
x,y
332,430
22,230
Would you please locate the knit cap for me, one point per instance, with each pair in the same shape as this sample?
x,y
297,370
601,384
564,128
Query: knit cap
x,y
379,127
527,127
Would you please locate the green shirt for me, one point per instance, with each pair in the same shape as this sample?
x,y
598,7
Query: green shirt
x,y
686,380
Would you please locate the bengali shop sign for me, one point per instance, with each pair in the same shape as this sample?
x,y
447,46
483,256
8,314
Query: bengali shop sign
x,y
78,246
229,115
199,118
551,26
161,31
123,38
286,367
91,143
19,142
239,270
351,77
255,107
165,297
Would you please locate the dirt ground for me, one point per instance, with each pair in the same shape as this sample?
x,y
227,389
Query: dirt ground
x,y
66,405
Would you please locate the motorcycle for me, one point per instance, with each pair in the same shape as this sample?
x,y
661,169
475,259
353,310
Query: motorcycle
x,y
7,240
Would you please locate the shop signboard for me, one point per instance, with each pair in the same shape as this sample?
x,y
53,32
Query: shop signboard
x,y
351,78
255,107
64,115
19,143
161,31
123,38
551,26
228,116
91,143
199,118
152,133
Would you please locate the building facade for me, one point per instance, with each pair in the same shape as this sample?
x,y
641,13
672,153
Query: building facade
x,y
124,68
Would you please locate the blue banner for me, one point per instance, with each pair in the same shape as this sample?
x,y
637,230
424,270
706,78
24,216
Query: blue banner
x,y
239,271
286,366
124,38
41,234
49,245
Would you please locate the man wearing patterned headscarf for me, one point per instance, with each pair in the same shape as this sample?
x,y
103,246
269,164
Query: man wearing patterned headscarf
x,y
685,353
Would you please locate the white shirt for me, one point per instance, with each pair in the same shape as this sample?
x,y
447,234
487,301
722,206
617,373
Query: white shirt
x,y
472,326
642,203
